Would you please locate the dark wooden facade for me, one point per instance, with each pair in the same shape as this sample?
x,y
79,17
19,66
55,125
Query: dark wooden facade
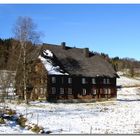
x,y
60,87
79,87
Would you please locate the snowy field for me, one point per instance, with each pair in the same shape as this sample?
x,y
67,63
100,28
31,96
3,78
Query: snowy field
x,y
12,128
111,117
126,82
118,117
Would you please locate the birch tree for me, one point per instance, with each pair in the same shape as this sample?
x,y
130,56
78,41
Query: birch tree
x,y
25,31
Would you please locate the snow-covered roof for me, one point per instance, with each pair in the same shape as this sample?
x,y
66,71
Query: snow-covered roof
x,y
72,61
47,58
75,62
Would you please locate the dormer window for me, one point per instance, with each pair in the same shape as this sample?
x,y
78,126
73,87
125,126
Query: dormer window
x,y
53,79
83,80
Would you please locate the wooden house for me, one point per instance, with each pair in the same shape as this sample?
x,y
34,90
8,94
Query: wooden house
x,y
59,72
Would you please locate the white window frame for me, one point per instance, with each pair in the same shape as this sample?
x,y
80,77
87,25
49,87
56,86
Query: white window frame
x,y
105,90
93,81
62,91
53,80
41,90
108,81
84,91
104,81
69,80
94,91
45,90
53,90
83,80
36,90
101,91
109,91
70,91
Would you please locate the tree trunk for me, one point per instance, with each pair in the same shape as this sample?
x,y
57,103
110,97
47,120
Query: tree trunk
x,y
24,74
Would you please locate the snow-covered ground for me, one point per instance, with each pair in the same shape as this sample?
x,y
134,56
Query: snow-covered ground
x,y
111,117
126,82
131,94
119,117
12,128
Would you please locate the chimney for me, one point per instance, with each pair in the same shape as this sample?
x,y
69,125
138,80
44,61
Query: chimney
x,y
86,52
63,45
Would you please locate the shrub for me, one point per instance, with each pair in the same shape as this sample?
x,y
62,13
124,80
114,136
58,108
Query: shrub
x,y
21,121
36,129
10,112
2,121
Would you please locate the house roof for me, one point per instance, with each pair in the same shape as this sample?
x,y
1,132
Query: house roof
x,y
74,61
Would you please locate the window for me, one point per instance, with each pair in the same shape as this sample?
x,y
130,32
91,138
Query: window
x,y
61,90
69,90
36,91
93,81
109,91
108,81
101,90
69,80
105,90
53,80
94,92
83,80
41,81
53,90
36,68
84,91
45,90
41,91
104,81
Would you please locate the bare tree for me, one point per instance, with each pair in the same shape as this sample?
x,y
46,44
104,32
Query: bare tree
x,y
7,81
25,32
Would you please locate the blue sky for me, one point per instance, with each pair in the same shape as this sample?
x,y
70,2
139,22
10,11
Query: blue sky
x,y
112,29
